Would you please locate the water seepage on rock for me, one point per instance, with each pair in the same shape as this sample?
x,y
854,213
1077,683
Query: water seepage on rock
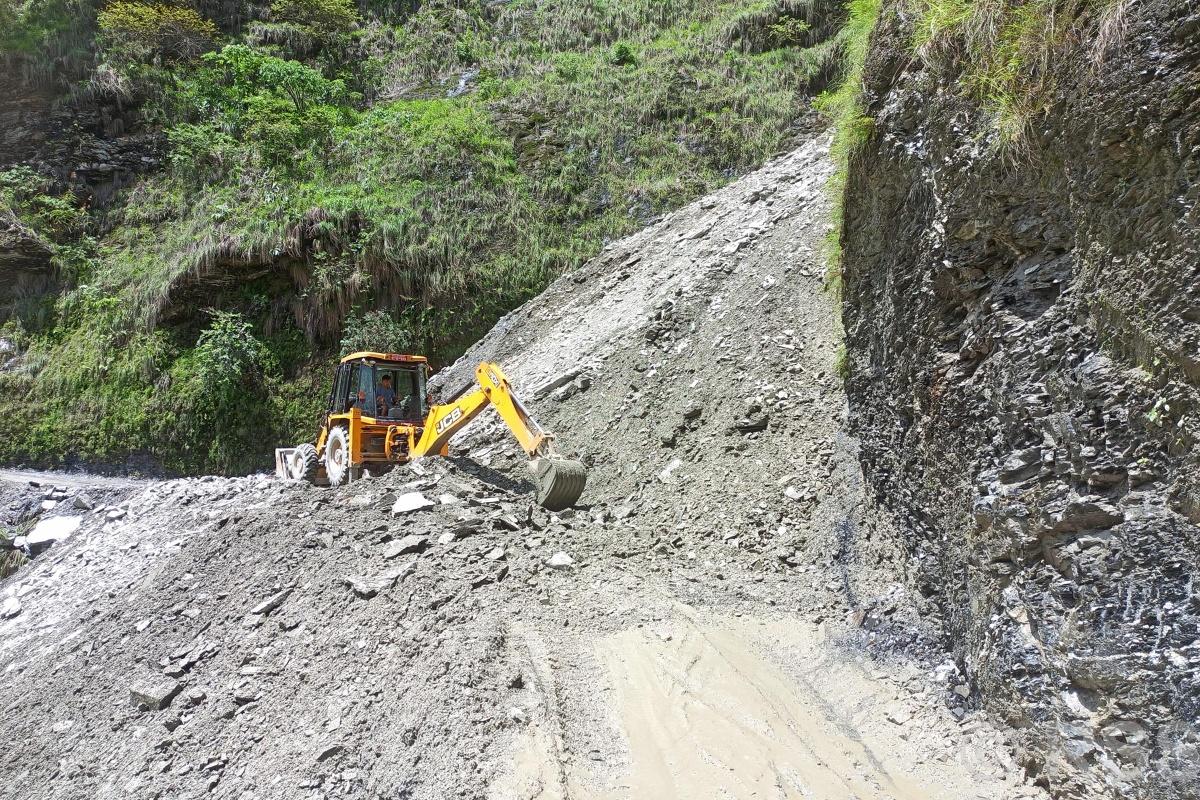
x,y
49,531
411,501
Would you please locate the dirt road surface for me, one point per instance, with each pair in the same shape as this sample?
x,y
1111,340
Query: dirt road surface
x,y
720,618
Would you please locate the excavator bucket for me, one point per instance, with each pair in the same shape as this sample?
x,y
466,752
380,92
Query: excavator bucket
x,y
560,481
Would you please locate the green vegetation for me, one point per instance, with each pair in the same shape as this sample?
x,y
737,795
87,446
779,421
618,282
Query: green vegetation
x,y
841,362
852,126
338,178
322,17
42,41
10,560
1005,50
132,31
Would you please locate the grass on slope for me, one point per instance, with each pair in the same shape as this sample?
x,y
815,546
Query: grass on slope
x,y
1004,50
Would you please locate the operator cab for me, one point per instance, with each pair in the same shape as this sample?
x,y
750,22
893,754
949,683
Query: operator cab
x,y
382,386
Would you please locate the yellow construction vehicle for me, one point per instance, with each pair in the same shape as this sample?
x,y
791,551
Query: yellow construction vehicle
x,y
380,414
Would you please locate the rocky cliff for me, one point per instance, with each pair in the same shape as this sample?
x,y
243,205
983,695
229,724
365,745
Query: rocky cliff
x,y
1023,325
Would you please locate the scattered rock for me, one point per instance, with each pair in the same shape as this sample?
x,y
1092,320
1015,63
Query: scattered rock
x,y
329,751
898,715
406,544
154,692
411,501
560,560
369,586
10,608
665,474
271,603
49,531
754,421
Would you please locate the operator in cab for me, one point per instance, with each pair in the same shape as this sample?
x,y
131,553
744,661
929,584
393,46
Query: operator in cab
x,y
385,398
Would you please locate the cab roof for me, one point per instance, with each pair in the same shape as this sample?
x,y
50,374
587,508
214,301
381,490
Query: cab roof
x,y
395,357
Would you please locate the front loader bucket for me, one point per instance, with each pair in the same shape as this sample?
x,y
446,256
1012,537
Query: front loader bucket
x,y
560,481
283,458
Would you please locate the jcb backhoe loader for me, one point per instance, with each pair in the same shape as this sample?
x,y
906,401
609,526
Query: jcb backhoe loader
x,y
379,415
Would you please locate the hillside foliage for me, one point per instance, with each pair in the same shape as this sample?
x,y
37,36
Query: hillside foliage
x,y
334,172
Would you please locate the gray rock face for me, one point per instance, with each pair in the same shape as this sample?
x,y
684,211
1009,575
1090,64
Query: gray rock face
x,y
1024,338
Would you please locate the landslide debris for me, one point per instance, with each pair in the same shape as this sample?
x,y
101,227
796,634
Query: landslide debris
x,y
433,633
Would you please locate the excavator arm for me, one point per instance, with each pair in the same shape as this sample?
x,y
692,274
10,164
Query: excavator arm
x,y
560,481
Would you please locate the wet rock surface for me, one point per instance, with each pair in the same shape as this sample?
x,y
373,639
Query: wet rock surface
x,y
1024,334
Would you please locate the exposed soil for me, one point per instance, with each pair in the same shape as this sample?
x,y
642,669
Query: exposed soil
x,y
717,619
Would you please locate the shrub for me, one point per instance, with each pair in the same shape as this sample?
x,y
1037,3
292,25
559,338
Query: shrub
x,y
377,331
322,17
57,222
570,66
279,110
134,31
228,354
219,394
201,152
622,54
236,76
464,51
790,31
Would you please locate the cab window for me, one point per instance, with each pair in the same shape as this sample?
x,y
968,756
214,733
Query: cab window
x,y
399,393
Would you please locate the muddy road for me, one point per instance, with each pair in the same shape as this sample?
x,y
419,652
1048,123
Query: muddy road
x,y
720,618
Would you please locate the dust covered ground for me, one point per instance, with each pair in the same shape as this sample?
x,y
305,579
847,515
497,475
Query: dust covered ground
x,y
719,618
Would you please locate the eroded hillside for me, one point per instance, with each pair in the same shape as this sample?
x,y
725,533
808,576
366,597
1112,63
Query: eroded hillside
x,y
203,204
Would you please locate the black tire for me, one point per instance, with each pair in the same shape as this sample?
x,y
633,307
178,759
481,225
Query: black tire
x,y
337,456
306,463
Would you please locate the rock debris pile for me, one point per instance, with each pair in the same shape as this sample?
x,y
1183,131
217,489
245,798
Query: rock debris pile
x,y
717,615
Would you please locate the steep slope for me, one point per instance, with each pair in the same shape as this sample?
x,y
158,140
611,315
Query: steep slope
x,y
1023,320
722,619
204,204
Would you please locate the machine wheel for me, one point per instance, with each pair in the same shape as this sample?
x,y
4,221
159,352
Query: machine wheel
x,y
560,481
305,463
337,456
